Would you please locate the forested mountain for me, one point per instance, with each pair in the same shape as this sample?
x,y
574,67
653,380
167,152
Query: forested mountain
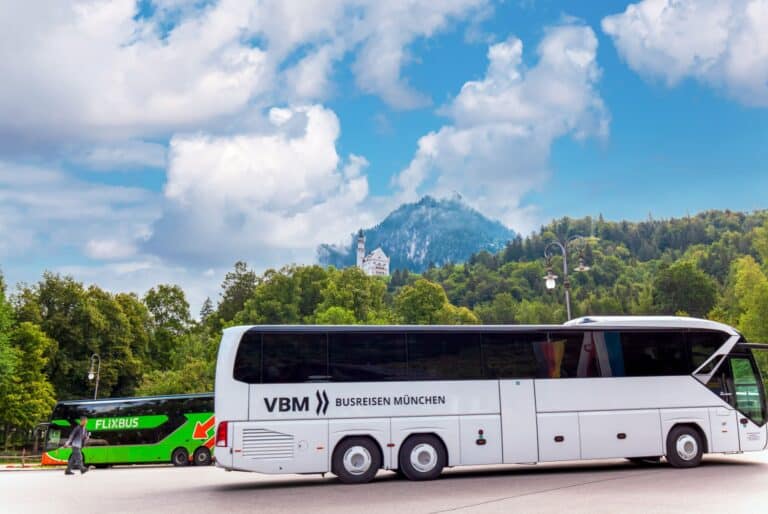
x,y
714,264
428,232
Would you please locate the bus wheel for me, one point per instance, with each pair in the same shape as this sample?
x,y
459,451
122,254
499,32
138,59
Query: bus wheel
x,y
180,457
684,447
356,460
202,456
422,457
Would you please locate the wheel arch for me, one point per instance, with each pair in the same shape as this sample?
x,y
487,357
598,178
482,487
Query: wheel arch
x,y
693,425
415,434
360,436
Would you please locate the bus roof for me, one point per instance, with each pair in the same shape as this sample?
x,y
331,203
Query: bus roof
x,y
135,399
588,323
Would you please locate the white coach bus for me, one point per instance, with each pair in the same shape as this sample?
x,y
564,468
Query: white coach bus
x,y
414,399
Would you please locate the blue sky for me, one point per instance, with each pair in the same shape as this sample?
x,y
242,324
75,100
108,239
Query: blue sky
x,y
161,141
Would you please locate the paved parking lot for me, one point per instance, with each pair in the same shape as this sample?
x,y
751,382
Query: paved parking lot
x,y
721,484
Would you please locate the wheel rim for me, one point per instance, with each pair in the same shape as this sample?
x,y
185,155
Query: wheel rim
x,y
687,447
357,460
202,457
424,458
180,458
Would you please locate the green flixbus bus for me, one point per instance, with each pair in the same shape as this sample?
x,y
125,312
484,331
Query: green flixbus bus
x,y
176,428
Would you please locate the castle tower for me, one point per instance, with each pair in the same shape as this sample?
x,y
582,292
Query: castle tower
x,y
360,248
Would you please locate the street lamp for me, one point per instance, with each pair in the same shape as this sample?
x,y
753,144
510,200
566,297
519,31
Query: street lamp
x,y
550,279
94,372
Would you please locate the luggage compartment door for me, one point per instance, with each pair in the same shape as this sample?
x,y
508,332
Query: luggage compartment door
x,y
281,446
518,421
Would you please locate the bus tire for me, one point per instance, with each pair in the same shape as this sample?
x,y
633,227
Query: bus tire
x,y
422,457
356,460
180,457
202,456
684,447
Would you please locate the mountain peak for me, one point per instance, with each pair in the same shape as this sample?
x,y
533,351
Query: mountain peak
x,y
429,231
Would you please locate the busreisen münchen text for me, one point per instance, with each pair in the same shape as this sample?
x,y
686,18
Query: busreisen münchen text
x,y
373,401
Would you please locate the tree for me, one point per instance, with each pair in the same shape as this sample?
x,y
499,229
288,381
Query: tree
x,y
336,315
751,288
760,242
30,397
684,287
274,301
206,310
499,311
425,303
169,312
237,288
353,290
61,307
190,370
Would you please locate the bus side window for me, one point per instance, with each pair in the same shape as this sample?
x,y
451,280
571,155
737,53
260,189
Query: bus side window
x,y
248,359
702,345
651,353
367,356
510,355
293,358
444,356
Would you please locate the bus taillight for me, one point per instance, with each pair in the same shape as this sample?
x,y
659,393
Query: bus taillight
x,y
221,434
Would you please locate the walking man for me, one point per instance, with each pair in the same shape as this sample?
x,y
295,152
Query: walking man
x,y
77,440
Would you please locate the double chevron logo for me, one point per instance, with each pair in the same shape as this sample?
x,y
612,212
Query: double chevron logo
x,y
322,402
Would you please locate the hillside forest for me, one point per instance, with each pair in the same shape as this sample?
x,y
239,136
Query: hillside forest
x,y
712,265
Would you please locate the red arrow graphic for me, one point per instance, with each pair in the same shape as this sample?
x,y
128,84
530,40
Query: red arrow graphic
x,y
209,443
201,429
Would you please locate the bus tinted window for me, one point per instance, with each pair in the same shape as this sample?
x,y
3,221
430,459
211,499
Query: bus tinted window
x,y
363,356
444,356
703,345
655,353
294,358
248,359
567,355
510,355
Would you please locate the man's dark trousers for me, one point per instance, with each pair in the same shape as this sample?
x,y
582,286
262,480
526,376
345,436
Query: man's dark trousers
x,y
76,461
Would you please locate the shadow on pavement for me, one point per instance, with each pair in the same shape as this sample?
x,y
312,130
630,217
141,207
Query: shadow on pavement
x,y
512,470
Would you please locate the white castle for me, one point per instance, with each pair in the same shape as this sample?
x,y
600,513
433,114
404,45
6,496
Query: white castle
x,y
375,263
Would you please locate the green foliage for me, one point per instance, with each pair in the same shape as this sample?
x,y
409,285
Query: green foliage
x,y
336,315
30,396
683,287
352,290
237,287
170,320
425,303
191,369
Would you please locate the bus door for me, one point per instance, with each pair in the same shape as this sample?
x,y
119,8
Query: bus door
x,y
749,400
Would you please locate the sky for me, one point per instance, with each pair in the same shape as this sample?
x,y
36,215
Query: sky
x,y
159,141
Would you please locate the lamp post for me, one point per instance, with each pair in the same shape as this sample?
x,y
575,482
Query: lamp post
x,y
94,372
550,279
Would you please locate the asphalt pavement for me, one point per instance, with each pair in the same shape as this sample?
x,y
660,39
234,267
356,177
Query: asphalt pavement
x,y
722,484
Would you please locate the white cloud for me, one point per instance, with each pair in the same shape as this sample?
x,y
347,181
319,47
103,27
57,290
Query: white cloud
x,y
93,70
89,69
390,28
721,43
269,197
108,249
46,211
126,155
497,148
